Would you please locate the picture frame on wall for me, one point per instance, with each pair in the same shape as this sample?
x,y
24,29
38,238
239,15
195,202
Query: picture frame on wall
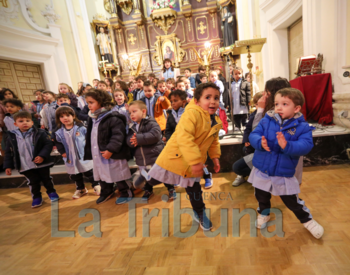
x,y
148,4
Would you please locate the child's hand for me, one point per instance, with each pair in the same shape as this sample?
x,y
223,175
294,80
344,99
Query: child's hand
x,y
64,155
133,140
246,144
281,140
126,106
42,127
161,99
264,144
8,171
216,165
106,154
164,139
262,102
197,170
38,160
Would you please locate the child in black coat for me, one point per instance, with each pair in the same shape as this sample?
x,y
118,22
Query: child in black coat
x,y
145,135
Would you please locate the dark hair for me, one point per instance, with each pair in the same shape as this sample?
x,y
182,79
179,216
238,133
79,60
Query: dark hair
x,y
201,68
102,97
171,65
202,75
8,90
141,77
65,110
188,69
82,88
160,82
248,73
179,93
62,96
293,94
256,97
122,84
272,86
139,103
172,80
129,84
13,101
152,75
237,69
110,80
148,84
23,114
179,81
201,87
102,82
39,90
51,93
120,91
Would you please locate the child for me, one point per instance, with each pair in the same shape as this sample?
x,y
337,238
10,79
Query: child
x,y
188,88
28,150
190,78
162,90
81,95
180,85
9,94
201,70
168,70
131,78
109,83
220,76
13,106
155,104
106,145
95,83
64,88
281,137
63,100
181,161
138,92
240,90
213,76
203,78
69,139
37,105
123,86
155,82
170,84
146,137
48,112
151,76
103,86
253,84
121,106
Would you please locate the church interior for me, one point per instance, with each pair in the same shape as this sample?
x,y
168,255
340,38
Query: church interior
x,y
49,43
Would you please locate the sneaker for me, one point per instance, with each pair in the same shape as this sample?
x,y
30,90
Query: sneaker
x,y
238,181
103,199
203,221
79,193
147,195
37,202
315,228
172,194
97,190
53,196
261,221
176,185
122,200
208,183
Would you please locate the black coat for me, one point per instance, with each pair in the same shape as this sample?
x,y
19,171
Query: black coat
x,y
84,114
111,136
149,141
42,148
198,80
247,131
245,93
170,125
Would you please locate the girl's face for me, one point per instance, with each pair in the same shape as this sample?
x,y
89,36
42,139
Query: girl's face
x,y
93,105
209,101
67,120
169,85
63,89
167,64
107,81
8,95
213,76
266,93
38,96
248,77
119,97
87,88
117,85
79,85
132,85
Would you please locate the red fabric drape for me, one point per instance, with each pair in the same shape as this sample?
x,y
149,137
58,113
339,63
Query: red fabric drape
x,y
317,90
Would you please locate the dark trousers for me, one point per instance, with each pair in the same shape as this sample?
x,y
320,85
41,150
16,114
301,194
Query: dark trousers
x,y
35,176
241,168
293,202
79,179
240,120
194,194
122,186
149,187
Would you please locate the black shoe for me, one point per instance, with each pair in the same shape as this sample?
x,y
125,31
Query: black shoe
x,y
103,199
147,195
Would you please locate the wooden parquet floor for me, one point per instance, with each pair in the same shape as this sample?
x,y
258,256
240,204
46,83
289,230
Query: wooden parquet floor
x,y
27,247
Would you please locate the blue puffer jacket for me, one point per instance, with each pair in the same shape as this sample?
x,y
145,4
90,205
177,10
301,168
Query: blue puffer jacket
x,y
280,162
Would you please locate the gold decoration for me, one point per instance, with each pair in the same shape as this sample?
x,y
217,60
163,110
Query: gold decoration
x,y
107,5
189,23
214,19
164,18
132,39
207,52
120,35
125,5
141,31
201,28
4,3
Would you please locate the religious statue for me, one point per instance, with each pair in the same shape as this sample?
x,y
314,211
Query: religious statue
x,y
104,42
229,28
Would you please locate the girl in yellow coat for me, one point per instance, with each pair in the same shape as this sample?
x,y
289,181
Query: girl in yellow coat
x,y
182,160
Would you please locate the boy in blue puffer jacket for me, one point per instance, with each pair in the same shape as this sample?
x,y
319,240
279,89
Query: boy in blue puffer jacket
x,y
281,137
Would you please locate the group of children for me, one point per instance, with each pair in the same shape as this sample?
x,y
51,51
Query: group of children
x,y
97,138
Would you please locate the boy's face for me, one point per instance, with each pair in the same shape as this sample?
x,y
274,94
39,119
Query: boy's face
x,y
285,107
62,100
204,79
176,102
95,83
209,100
201,71
38,96
102,87
187,84
139,84
237,74
181,86
162,87
136,114
169,85
150,78
187,73
24,124
213,76
48,97
12,109
149,91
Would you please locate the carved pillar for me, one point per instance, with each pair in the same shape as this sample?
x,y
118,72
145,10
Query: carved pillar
x,y
137,6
